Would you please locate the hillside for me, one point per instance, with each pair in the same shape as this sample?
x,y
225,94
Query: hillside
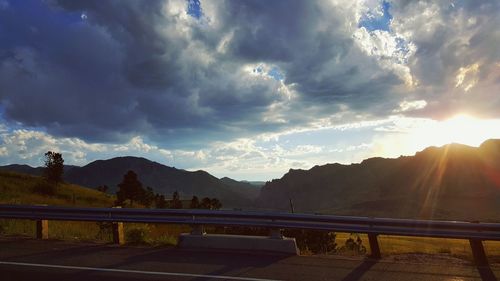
x,y
162,179
450,182
19,189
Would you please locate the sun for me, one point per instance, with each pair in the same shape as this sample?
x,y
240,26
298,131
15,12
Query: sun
x,y
416,134
461,128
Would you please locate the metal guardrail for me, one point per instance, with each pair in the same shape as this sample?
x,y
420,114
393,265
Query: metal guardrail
x,y
475,232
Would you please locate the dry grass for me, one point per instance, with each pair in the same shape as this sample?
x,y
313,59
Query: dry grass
x,y
393,245
19,189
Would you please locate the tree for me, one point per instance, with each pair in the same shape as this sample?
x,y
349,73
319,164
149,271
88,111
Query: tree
x,y
211,204
176,201
54,167
148,197
195,203
130,188
160,202
205,203
215,204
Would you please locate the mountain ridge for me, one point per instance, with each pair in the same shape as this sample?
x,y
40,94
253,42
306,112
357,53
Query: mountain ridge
x,y
436,183
163,179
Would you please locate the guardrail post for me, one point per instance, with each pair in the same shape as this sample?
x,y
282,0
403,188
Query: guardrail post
x,y
374,247
118,232
275,233
478,252
42,229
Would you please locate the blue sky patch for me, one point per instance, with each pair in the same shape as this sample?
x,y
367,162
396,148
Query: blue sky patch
x,y
371,22
194,8
276,74
258,69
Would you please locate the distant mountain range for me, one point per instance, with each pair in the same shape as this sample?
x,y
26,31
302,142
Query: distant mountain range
x,y
451,182
454,181
161,178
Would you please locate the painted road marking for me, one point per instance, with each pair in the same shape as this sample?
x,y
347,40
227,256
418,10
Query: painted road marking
x,y
132,271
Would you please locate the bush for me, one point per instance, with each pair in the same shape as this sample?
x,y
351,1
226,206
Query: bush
x,y
105,231
353,245
314,241
45,188
136,236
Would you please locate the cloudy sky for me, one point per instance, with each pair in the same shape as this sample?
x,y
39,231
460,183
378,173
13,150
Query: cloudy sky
x,y
245,89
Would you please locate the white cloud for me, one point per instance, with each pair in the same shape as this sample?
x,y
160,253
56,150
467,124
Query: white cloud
x,y
3,151
391,50
405,106
467,77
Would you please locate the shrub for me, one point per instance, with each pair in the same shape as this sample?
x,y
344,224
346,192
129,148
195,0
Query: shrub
x,y
313,241
353,245
105,230
136,236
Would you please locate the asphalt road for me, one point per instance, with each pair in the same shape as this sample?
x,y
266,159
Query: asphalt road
x,y
28,259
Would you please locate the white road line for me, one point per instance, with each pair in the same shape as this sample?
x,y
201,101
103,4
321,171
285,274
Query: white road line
x,y
132,271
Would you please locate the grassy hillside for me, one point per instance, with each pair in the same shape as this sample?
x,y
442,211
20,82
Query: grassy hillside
x,y
20,189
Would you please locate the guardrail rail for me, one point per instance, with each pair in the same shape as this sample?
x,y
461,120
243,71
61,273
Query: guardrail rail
x,y
475,232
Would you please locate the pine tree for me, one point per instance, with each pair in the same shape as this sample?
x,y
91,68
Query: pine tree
x,y
130,188
54,167
176,201
195,203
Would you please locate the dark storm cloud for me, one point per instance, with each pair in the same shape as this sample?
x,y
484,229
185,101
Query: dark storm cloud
x,y
131,68
306,39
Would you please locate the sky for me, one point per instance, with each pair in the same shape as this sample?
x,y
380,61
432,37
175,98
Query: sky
x,y
245,89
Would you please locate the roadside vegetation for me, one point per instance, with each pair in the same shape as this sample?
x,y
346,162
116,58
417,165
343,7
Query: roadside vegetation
x,y
21,189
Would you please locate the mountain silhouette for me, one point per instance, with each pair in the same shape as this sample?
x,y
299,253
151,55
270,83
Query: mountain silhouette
x,y
163,179
455,181
450,182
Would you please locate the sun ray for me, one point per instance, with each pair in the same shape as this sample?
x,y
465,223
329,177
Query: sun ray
x,y
434,186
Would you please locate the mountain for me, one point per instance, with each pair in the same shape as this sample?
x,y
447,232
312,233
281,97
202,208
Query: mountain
x,y
242,187
454,181
162,179
26,169
255,183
